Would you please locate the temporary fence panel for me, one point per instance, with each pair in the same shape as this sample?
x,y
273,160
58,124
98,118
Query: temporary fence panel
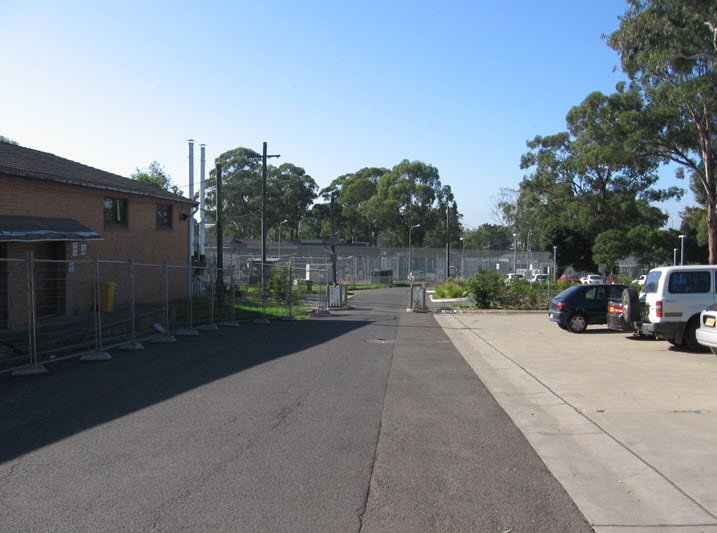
x,y
16,313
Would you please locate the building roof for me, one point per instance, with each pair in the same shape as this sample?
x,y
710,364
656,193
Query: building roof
x,y
32,229
28,163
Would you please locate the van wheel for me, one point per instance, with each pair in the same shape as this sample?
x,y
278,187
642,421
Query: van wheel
x,y
691,336
577,323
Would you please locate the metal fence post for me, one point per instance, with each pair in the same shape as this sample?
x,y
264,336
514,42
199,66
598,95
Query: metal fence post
x,y
263,319
189,330
32,313
232,285
98,354
211,326
289,295
133,344
164,336
34,368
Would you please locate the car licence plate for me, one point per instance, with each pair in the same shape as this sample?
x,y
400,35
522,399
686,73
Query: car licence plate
x,y
710,321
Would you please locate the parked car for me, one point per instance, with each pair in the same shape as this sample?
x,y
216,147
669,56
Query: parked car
x,y
639,281
539,278
581,305
511,277
416,275
707,332
673,299
591,279
569,278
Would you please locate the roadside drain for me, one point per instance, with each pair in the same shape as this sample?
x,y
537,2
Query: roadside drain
x,y
381,341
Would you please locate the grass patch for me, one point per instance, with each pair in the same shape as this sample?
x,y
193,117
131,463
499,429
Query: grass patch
x,y
244,309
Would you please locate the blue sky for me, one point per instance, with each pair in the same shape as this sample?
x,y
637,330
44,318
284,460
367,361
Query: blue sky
x,y
331,86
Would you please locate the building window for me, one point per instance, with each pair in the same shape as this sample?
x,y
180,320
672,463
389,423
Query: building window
x,y
164,216
116,211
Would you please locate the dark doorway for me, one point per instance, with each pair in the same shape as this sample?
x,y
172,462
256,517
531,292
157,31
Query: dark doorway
x,y
4,293
50,278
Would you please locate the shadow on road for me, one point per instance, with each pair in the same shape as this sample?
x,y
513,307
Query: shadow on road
x,y
75,396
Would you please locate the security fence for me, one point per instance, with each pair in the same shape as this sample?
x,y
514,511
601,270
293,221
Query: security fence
x,y
54,310
400,265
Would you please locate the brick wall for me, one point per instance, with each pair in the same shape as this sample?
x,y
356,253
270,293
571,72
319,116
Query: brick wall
x,y
140,239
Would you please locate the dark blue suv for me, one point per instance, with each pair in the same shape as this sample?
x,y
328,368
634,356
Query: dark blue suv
x,y
580,305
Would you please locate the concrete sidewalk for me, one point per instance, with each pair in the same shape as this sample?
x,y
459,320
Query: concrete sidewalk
x,y
627,426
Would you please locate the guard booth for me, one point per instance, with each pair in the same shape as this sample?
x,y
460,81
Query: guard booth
x,y
382,277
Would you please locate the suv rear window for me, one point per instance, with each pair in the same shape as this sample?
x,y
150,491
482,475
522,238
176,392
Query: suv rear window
x,y
689,282
651,281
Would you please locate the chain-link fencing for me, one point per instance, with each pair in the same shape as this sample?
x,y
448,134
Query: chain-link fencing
x,y
54,310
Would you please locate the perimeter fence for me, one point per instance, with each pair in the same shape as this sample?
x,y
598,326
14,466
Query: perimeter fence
x,y
55,310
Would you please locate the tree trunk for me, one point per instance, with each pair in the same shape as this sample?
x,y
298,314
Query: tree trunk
x,y
711,226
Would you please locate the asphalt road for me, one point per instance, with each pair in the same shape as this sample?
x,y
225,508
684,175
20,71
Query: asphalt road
x,y
367,420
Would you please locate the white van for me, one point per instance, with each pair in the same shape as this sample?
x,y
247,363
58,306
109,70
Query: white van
x,y
672,299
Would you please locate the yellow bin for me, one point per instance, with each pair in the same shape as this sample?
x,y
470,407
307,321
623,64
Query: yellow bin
x,y
107,296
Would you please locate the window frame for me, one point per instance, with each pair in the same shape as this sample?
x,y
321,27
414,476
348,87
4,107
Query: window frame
x,y
118,211
163,221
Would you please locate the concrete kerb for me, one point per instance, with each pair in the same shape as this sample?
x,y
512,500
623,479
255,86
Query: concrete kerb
x,y
619,483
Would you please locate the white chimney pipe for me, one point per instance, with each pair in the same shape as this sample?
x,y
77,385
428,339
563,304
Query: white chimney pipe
x,y
191,197
202,217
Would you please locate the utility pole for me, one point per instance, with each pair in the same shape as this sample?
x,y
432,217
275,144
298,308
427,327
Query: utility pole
x,y
220,239
333,242
263,220
448,241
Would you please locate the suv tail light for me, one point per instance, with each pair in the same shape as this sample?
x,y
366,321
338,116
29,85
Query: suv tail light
x,y
658,309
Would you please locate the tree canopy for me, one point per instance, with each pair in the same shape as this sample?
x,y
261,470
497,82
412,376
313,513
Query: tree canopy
x,y
155,176
668,49
589,179
290,193
379,205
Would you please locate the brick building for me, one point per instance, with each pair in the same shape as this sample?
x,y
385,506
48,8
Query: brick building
x,y
66,213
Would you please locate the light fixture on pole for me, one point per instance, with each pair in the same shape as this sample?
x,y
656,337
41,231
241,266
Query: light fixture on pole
x,y
278,253
682,249
409,247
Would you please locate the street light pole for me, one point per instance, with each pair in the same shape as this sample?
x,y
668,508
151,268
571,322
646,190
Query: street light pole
x,y
409,247
463,258
682,249
278,253
555,264
530,247
515,252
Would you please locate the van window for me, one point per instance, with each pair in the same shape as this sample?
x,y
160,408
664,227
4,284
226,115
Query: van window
x,y
690,282
651,281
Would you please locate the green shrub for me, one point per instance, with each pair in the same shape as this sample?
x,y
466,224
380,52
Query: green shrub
x,y
489,291
451,289
277,286
487,288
